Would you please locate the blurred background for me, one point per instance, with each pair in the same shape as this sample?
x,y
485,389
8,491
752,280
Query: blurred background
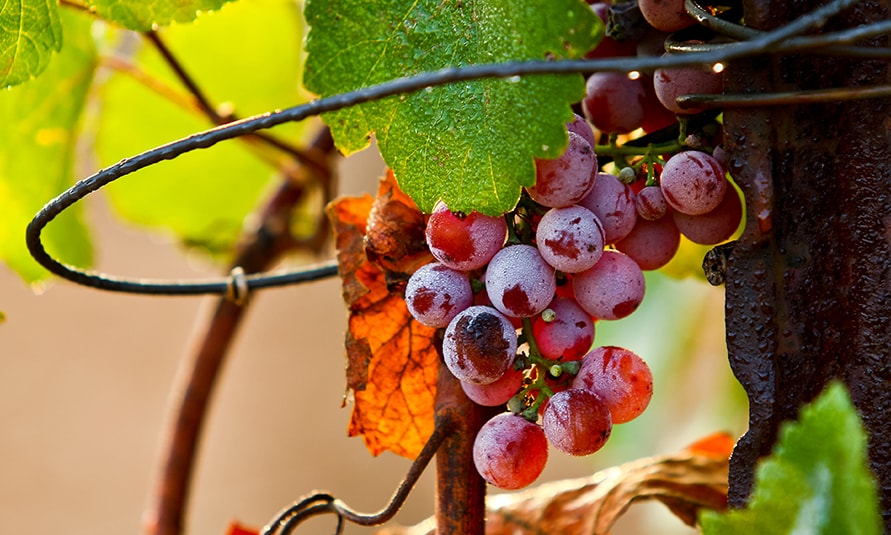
x,y
85,375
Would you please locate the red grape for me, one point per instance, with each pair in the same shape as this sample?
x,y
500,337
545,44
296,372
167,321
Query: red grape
x,y
620,378
479,345
464,242
693,182
613,203
612,289
509,451
577,422
650,203
563,181
497,393
581,127
651,244
670,83
712,227
569,335
435,294
570,238
614,102
519,282
666,15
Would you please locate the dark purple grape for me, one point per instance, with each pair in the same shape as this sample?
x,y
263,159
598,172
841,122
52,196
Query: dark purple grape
x,y
479,345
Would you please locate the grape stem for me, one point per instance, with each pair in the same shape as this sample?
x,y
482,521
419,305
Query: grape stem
x,y
542,367
617,152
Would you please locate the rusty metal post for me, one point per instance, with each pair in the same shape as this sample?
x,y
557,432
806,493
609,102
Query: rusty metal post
x,y
809,283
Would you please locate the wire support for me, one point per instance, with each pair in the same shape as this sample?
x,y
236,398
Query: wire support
x,y
775,41
320,503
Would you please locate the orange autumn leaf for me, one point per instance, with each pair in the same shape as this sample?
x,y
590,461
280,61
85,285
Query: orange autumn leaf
x,y
685,482
392,363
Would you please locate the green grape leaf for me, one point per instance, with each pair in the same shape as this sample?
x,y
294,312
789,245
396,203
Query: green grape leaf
x,y
815,482
30,31
37,145
143,15
469,143
203,197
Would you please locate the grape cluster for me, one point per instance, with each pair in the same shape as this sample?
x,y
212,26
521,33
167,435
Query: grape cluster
x,y
518,296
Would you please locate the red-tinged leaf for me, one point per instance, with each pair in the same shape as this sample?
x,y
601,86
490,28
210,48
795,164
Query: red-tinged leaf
x,y
236,528
392,361
718,444
685,482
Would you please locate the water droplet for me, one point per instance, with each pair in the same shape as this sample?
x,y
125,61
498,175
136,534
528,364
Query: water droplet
x,y
545,148
514,79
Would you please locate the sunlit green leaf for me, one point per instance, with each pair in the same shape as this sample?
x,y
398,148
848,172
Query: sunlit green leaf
x,y
30,32
142,15
470,143
816,482
247,55
37,143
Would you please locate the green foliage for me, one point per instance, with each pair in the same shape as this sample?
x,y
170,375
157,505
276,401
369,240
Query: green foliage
x,y
142,15
248,55
469,143
30,31
815,482
37,144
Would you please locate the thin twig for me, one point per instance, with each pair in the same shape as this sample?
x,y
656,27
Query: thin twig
x,y
302,156
195,382
324,503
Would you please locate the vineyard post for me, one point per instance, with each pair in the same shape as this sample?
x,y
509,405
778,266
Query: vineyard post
x,y
808,294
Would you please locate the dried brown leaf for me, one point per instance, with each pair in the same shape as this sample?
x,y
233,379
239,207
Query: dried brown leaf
x,y
685,482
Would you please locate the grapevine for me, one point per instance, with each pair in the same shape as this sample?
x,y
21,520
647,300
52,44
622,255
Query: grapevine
x,y
513,298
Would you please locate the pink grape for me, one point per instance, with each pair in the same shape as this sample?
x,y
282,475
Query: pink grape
x,y
651,244
693,182
713,227
613,203
620,378
464,243
509,451
435,294
581,127
570,238
497,393
519,282
650,203
614,102
565,180
479,345
612,289
666,15
670,83
569,335
577,422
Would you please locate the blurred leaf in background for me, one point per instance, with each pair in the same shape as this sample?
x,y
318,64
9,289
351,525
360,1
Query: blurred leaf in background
x,y
142,15
37,145
247,55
